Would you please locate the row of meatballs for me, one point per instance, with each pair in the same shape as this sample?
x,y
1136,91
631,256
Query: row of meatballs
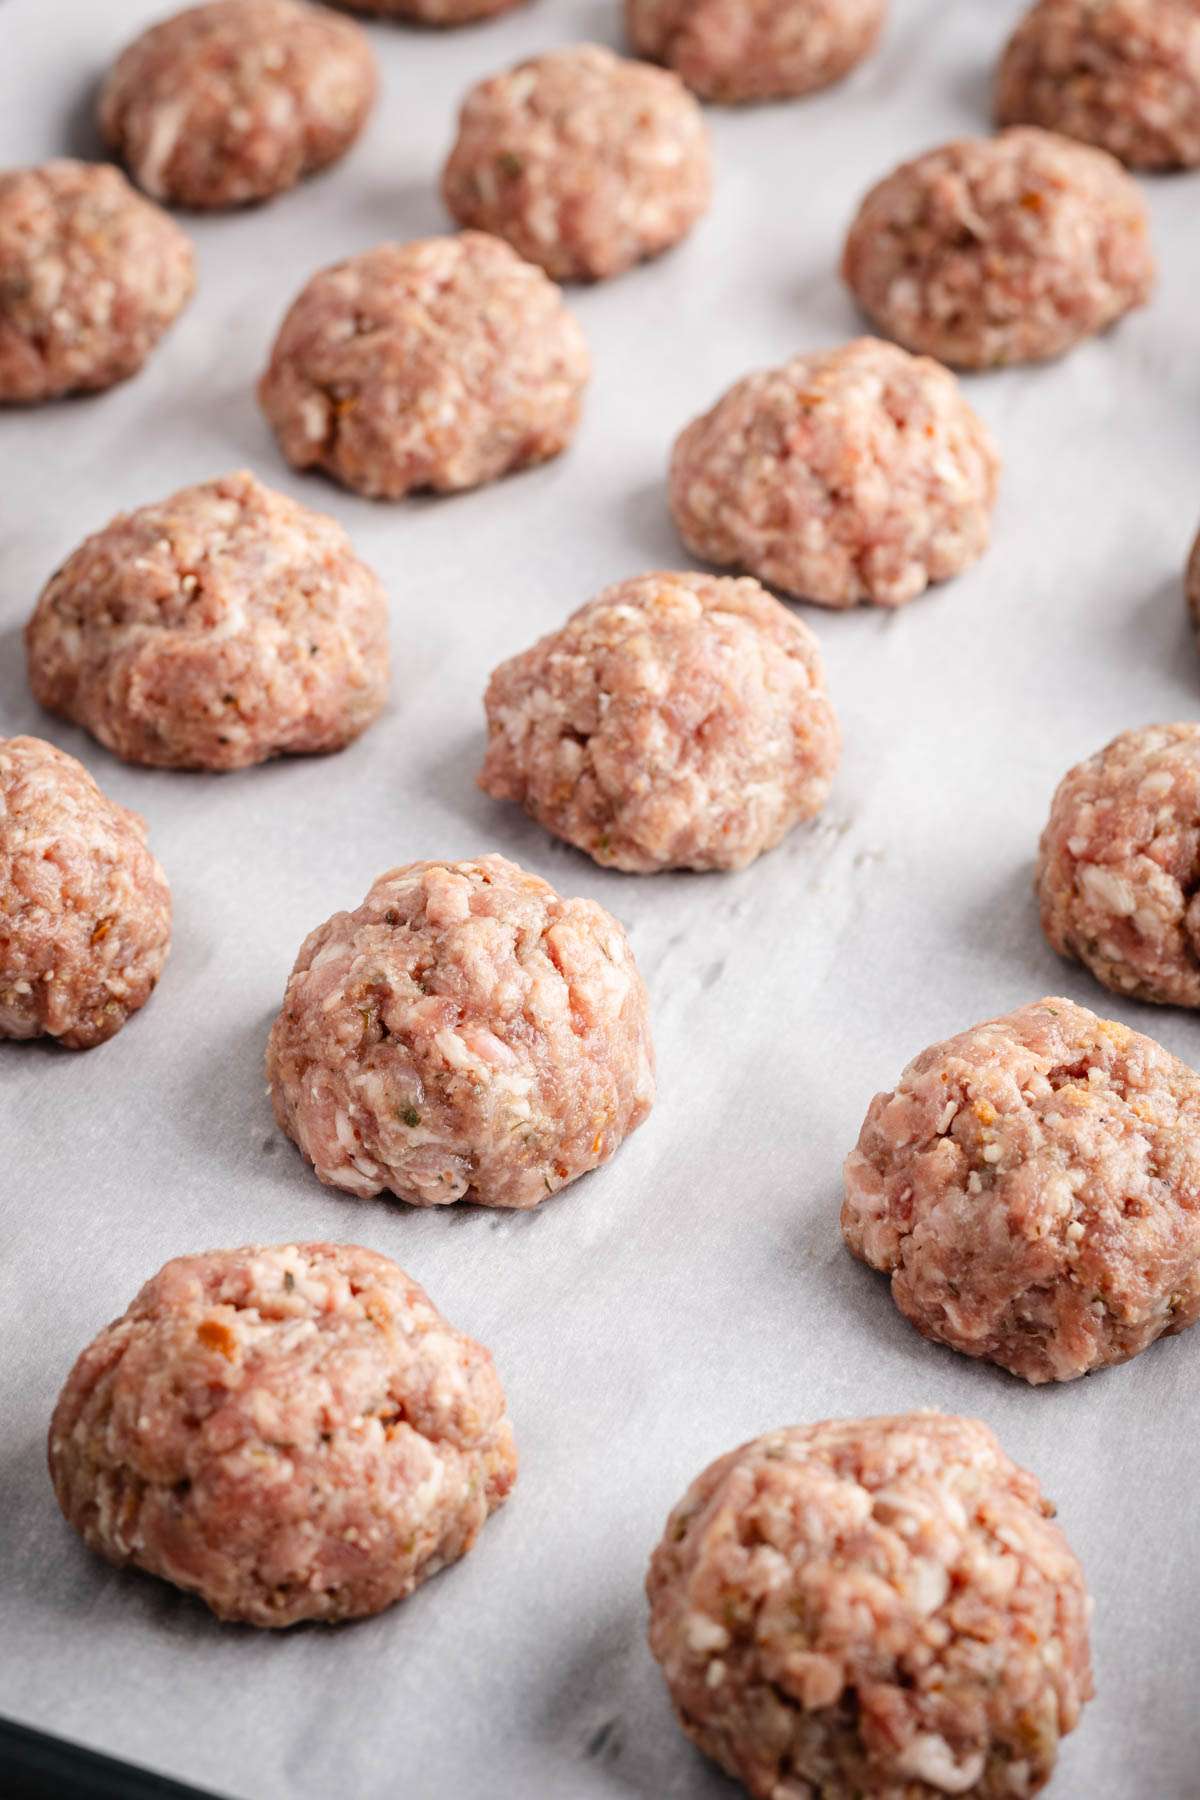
x,y
676,721
879,1606
467,1034
858,473
445,363
234,101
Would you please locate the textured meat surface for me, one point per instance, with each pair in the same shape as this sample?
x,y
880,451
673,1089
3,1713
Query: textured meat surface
x,y
237,100
676,721
1122,74
436,364
291,1433
464,1035
91,276
1118,875
213,630
1001,250
733,50
1032,1187
85,911
859,473
872,1607
584,161
433,12
1192,586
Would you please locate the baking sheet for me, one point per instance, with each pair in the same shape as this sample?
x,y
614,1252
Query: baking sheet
x,y
695,1292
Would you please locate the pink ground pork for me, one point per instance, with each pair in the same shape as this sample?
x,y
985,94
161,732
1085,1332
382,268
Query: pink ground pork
x,y
290,1433
872,1607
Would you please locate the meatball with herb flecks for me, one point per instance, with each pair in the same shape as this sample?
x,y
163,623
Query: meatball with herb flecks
x,y
1032,1188
872,1607
236,100
1121,74
739,50
1118,872
464,1034
439,364
91,277
291,1433
585,162
1001,250
433,12
213,630
676,721
853,474
85,910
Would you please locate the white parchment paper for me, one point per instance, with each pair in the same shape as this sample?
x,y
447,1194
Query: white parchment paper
x,y
695,1292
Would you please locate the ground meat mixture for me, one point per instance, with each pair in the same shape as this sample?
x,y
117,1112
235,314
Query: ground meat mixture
x,y
1001,250
676,722
433,12
290,1433
237,100
91,276
872,1607
85,911
584,161
1032,1187
213,630
1123,74
437,364
1192,586
1118,875
464,1035
852,474
732,50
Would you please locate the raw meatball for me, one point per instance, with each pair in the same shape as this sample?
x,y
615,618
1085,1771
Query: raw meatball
x,y
755,49
91,276
1001,250
1030,1187
676,722
1124,74
1192,586
236,100
213,630
586,162
437,364
85,911
852,474
872,1607
1118,875
290,1433
464,1035
433,12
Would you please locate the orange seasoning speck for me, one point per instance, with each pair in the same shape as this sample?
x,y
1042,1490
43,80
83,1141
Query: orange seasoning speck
x,y
215,1335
